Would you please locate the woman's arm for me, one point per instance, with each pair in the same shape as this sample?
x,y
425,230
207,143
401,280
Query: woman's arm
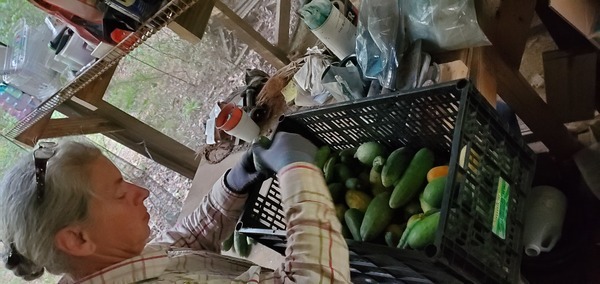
x,y
316,250
210,224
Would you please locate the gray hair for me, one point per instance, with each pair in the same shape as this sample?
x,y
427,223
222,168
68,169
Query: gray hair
x,y
31,224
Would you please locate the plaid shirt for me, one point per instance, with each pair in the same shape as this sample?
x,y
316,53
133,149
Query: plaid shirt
x,y
190,251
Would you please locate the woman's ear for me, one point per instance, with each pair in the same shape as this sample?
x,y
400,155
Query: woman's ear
x,y
73,240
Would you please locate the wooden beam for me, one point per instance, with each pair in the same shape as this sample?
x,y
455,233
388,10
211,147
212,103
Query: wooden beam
x,y
282,24
481,72
141,138
252,38
522,98
31,136
95,90
506,23
564,35
191,24
61,127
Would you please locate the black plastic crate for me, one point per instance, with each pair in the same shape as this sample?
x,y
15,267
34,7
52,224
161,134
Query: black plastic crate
x,y
481,224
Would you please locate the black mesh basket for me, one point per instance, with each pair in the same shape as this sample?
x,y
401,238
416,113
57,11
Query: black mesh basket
x,y
481,223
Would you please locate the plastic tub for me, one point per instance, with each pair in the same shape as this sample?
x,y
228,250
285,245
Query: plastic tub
x,y
26,61
77,50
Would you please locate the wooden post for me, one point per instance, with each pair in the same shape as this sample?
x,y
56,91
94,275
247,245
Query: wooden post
x,y
523,99
246,33
282,24
507,24
191,24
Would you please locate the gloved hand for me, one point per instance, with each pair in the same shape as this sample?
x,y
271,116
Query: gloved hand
x,y
243,177
285,149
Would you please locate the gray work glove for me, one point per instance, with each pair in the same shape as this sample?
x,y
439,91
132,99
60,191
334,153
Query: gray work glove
x,y
285,149
244,177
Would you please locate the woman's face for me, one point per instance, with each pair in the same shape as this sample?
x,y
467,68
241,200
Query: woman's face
x,y
118,219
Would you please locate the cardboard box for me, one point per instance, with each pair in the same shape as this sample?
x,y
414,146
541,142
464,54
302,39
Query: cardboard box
x,y
584,15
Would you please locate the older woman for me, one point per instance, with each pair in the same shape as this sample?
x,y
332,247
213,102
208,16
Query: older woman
x,y
68,210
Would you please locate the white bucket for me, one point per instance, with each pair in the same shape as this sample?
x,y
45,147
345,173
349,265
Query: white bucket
x,y
234,121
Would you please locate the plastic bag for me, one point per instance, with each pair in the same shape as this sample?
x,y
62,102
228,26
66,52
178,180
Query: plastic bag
x,y
443,24
344,81
308,77
380,40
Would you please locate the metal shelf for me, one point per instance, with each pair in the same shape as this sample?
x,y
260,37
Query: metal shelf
x,y
162,18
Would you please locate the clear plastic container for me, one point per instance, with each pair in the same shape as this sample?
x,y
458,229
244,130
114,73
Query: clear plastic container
x,y
26,59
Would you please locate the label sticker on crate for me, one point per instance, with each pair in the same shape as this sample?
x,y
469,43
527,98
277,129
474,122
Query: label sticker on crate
x,y
501,208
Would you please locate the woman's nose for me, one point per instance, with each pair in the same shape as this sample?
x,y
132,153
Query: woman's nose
x,y
142,194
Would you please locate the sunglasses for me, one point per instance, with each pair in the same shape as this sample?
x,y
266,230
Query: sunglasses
x,y
41,155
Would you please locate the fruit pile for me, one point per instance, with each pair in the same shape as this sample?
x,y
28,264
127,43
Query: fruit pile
x,y
385,198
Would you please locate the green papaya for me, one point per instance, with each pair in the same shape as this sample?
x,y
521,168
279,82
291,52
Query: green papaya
x,y
343,172
375,173
329,169
377,218
367,152
354,218
349,152
434,192
358,200
251,240
322,155
394,166
340,210
356,184
227,243
424,205
393,233
423,232
377,189
412,221
346,232
411,181
241,244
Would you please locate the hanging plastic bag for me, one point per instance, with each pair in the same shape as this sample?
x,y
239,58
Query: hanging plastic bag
x,y
380,40
443,24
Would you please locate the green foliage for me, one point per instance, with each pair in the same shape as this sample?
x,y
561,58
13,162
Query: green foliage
x,y
12,11
190,106
9,153
7,121
125,95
